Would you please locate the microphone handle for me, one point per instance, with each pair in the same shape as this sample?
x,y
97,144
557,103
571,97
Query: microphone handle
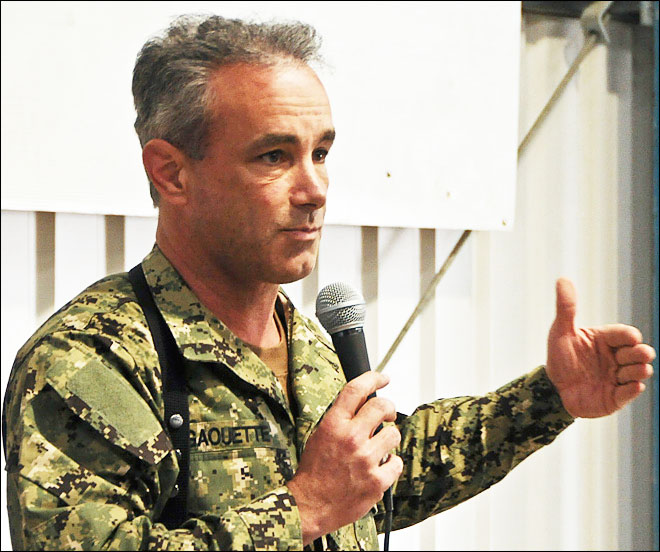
x,y
351,349
352,352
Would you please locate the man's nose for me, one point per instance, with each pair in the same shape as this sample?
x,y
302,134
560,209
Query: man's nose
x,y
310,187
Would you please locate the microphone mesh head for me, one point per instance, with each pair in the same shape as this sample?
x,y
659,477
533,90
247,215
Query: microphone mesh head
x,y
340,307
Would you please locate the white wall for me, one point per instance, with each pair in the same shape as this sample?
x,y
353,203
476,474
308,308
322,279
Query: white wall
x,y
396,74
489,320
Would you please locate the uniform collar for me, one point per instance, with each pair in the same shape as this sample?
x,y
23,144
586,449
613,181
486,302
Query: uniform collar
x,y
314,369
199,334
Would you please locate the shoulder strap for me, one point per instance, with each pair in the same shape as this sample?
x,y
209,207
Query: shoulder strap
x,y
175,397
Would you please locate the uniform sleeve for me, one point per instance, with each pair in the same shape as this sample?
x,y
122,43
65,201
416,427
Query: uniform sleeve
x,y
90,467
453,449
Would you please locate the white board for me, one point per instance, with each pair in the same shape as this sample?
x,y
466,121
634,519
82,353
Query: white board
x,y
424,97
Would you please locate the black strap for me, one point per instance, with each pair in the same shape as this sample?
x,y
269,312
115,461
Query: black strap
x,y
175,397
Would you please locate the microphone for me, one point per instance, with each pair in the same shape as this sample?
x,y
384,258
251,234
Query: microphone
x,y
341,310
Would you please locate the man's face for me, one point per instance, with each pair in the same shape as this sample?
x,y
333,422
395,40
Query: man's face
x,y
258,197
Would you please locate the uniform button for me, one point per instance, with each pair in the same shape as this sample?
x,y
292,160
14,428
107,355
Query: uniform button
x,y
178,454
175,491
176,421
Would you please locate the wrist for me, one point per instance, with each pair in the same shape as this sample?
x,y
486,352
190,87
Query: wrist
x,y
310,511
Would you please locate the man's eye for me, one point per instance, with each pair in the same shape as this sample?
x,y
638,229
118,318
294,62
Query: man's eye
x,y
319,155
273,157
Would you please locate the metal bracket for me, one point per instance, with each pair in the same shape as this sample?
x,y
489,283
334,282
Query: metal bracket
x,y
593,20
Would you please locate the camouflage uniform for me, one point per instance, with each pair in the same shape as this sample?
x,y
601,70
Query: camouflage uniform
x,y
90,465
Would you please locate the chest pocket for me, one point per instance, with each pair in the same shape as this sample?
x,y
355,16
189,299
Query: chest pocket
x,y
234,462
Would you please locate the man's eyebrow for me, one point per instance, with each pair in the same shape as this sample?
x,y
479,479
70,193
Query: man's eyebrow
x,y
328,136
271,140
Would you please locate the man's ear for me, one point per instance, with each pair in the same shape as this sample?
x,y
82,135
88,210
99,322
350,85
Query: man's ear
x,y
167,167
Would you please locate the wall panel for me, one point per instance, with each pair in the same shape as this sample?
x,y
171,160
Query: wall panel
x,y
139,236
79,253
489,319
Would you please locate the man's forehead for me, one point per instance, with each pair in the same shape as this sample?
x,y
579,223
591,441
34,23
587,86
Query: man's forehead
x,y
242,82
258,97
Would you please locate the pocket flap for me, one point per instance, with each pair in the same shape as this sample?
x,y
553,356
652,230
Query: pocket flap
x,y
105,400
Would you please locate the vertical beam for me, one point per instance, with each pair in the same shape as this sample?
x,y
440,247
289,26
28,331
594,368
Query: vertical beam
x,y
114,243
45,265
369,280
139,238
18,300
79,254
656,274
398,284
427,350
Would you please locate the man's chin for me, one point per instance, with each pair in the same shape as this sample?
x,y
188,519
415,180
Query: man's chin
x,y
295,277
296,270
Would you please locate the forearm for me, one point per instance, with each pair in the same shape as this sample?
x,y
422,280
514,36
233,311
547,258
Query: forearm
x,y
455,448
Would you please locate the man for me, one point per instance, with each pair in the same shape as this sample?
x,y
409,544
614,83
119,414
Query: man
x,y
235,128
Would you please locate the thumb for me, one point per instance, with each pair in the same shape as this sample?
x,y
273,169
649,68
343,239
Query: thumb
x,y
566,306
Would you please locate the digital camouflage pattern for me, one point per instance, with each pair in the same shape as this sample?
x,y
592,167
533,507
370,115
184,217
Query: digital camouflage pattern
x,y
90,465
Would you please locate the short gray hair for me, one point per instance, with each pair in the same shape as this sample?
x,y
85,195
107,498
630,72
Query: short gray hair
x,y
172,72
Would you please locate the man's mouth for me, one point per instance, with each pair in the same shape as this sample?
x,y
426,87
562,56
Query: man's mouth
x,y
303,232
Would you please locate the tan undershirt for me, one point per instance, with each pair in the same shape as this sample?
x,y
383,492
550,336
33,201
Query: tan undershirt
x,y
277,358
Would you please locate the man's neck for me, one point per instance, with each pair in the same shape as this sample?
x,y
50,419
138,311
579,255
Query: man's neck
x,y
245,307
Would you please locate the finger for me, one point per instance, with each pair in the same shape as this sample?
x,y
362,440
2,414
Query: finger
x,y
566,305
639,354
385,440
391,470
633,372
620,335
623,394
374,412
355,392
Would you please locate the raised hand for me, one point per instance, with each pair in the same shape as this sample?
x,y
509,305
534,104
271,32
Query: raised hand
x,y
598,370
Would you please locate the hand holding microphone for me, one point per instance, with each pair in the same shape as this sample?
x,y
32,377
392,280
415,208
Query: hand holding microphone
x,y
341,310
341,474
